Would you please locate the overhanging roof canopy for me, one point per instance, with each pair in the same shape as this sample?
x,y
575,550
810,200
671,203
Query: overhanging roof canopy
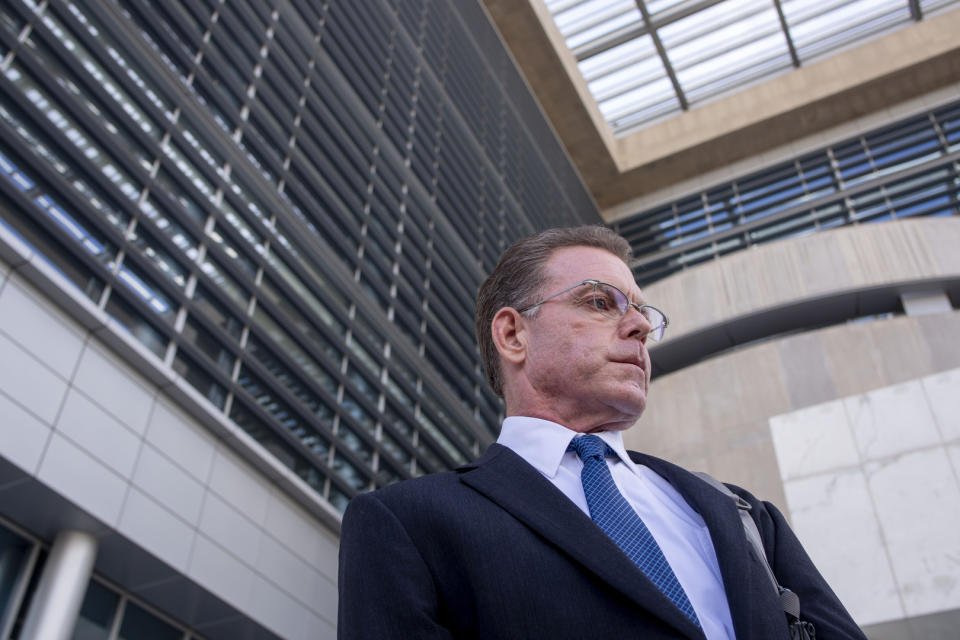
x,y
649,94
647,59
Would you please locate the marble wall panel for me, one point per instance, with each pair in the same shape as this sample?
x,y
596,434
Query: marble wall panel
x,y
872,484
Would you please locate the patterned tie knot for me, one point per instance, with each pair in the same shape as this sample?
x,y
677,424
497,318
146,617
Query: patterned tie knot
x,y
589,446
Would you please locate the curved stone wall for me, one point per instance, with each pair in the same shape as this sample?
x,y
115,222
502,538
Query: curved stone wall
x,y
824,264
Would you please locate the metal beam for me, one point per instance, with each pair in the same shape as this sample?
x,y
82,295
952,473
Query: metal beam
x,y
618,37
786,34
915,11
663,55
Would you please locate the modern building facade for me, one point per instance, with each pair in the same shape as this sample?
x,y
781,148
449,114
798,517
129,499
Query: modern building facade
x,y
240,242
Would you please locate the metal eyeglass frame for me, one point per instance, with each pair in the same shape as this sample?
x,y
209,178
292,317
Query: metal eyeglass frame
x,y
656,332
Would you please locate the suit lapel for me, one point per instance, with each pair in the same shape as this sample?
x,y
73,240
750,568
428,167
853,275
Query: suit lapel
x,y
740,577
506,479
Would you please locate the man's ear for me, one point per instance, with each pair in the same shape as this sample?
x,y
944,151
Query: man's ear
x,y
509,334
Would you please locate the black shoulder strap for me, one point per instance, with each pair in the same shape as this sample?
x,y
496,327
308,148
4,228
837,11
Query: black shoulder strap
x,y
788,599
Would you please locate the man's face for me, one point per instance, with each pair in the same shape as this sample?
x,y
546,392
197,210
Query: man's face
x,y
585,370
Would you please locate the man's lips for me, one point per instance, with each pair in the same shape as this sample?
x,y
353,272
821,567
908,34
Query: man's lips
x,y
637,363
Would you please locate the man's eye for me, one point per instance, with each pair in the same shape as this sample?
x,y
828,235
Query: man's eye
x,y
604,302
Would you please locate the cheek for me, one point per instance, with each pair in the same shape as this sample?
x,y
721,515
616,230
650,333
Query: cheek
x,y
561,361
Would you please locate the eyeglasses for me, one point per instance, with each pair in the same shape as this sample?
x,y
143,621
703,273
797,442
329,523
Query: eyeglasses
x,y
613,303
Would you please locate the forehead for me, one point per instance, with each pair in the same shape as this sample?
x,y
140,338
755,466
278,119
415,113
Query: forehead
x,y
569,265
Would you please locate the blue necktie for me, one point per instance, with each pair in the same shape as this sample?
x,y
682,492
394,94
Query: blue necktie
x,y
614,515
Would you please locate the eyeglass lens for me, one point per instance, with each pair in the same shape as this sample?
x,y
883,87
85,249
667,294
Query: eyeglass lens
x,y
613,303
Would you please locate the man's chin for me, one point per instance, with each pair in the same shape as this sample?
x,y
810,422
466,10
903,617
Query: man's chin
x,y
630,410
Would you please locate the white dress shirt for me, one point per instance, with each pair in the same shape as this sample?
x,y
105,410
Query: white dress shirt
x,y
678,529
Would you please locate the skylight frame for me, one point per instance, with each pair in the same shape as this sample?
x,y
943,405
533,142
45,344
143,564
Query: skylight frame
x,y
787,35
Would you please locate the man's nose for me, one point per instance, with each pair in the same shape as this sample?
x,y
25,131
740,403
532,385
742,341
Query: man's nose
x,y
635,325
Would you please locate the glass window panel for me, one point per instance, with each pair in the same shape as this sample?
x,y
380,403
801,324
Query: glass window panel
x,y
393,418
289,379
338,499
386,476
258,429
354,442
157,36
252,237
209,306
394,448
11,21
636,64
96,614
355,411
165,263
103,79
284,414
656,7
134,322
713,47
571,15
214,162
126,66
209,345
226,283
144,288
248,266
14,552
452,426
819,26
427,458
179,160
618,58
304,294
139,624
307,332
349,472
56,255
72,225
724,71
620,16
640,105
67,126
397,393
172,188
183,240
440,438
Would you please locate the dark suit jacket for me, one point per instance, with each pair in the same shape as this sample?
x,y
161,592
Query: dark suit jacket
x,y
494,550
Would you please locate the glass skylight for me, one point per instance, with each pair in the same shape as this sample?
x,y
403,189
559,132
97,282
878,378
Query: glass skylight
x,y
645,60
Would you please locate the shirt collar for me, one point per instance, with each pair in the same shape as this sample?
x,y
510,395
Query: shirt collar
x,y
543,443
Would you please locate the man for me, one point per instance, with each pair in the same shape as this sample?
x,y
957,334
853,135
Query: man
x,y
540,537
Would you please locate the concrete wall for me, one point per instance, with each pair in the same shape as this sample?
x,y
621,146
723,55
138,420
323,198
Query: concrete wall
x,y
183,520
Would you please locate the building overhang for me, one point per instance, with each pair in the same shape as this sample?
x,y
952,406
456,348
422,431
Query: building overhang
x,y
855,82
